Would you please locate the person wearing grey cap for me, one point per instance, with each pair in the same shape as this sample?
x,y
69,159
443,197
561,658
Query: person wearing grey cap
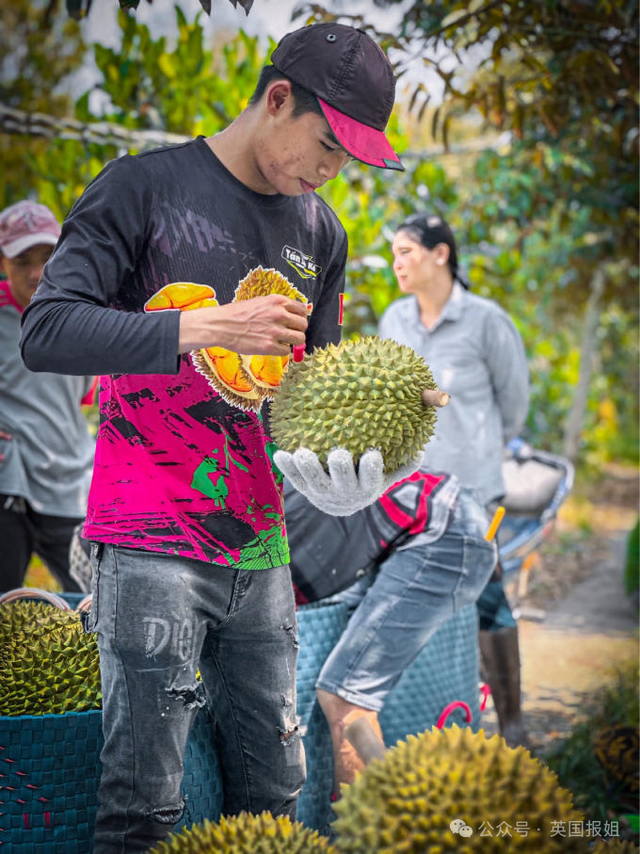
x,y
46,451
184,276
477,355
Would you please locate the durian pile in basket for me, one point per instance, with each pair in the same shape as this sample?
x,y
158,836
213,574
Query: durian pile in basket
x,y
48,665
453,790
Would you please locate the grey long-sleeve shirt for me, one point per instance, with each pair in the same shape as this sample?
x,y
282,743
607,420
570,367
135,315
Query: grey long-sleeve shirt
x,y
477,355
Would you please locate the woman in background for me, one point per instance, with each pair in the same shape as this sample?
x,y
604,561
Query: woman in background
x,y
477,355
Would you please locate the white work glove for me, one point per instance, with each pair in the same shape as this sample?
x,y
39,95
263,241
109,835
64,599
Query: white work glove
x,y
342,491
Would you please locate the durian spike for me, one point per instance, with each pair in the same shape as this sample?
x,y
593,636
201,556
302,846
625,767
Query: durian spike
x,y
34,593
435,397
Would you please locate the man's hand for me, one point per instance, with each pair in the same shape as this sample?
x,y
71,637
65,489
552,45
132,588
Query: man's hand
x,y
343,491
262,326
4,435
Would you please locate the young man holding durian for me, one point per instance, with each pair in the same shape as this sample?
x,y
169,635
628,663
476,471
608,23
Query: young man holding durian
x,y
189,549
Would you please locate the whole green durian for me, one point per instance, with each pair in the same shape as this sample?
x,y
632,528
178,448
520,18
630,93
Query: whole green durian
x,y
246,834
48,665
33,618
356,395
407,800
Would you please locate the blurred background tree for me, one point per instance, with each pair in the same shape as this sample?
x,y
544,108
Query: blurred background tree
x,y
546,215
39,51
561,77
80,8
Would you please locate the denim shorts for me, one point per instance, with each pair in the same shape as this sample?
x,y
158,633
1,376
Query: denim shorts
x,y
396,610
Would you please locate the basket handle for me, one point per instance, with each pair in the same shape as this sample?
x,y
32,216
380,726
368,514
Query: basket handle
x,y
457,704
35,593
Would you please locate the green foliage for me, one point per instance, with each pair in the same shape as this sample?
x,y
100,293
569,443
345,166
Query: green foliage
x,y
564,70
371,203
540,274
79,8
561,77
38,52
632,561
531,221
575,762
183,90
64,169
146,85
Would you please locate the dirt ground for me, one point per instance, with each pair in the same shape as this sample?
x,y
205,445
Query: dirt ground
x,y
575,619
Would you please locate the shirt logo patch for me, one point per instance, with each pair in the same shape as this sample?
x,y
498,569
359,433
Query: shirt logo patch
x,y
302,263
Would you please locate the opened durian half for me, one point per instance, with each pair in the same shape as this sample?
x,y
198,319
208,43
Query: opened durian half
x,y
243,380
266,371
356,395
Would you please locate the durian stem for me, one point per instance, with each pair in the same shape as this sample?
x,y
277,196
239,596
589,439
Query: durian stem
x,y
365,740
435,397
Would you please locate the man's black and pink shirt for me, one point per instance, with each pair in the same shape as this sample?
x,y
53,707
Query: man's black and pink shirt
x,y
178,468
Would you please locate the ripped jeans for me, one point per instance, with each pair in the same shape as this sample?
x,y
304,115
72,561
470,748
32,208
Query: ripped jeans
x,y
160,619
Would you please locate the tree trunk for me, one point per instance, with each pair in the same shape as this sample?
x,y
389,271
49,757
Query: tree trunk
x,y
573,429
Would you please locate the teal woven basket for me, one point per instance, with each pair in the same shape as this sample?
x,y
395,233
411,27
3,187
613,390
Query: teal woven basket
x,y
51,768
445,671
49,792
51,763
320,627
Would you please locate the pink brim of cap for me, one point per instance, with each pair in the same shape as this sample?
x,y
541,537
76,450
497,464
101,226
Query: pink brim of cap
x,y
21,244
361,141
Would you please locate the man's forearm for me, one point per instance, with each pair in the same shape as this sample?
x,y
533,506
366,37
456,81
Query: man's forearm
x,y
71,337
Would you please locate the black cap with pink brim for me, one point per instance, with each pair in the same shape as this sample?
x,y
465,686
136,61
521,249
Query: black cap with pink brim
x,y
353,82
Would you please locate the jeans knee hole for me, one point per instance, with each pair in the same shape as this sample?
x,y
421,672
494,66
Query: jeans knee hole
x,y
167,815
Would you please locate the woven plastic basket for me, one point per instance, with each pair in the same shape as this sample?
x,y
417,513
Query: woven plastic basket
x,y
446,670
51,763
51,768
320,627
49,794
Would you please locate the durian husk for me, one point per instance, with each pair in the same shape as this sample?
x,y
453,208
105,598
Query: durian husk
x,y
267,373
246,834
261,282
48,665
249,380
406,801
250,399
356,395
33,618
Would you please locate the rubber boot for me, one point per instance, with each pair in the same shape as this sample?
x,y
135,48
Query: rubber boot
x,y
501,659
